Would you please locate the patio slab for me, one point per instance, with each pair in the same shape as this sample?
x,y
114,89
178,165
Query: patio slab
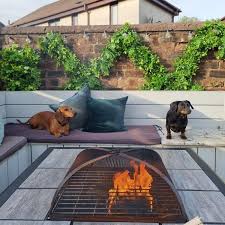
x,y
27,204
206,204
32,201
44,178
111,223
20,222
177,159
60,159
196,137
191,180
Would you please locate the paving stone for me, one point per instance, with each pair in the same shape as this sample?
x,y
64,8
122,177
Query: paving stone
x,y
184,224
207,205
34,204
208,155
108,223
198,137
177,159
56,223
191,180
44,178
60,158
20,222
28,204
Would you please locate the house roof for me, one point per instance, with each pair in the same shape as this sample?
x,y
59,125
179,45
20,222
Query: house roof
x,y
64,8
168,6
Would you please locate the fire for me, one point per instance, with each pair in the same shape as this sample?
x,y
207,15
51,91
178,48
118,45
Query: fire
x,y
128,188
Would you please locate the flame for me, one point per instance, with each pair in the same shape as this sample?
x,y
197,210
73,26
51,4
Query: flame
x,y
128,188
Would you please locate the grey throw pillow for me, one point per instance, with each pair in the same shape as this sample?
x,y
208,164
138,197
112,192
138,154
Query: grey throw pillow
x,y
77,102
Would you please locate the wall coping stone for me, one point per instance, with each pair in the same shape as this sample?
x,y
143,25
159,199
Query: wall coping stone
x,y
159,27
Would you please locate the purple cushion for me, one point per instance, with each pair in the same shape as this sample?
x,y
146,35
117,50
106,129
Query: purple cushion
x,y
141,135
10,145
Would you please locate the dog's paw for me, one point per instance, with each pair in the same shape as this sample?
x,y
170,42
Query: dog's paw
x,y
57,135
183,137
168,137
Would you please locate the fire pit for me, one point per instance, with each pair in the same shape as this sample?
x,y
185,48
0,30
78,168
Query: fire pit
x,y
120,185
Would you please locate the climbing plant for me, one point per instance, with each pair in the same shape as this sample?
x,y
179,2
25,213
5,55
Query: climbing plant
x,y
53,45
210,36
127,42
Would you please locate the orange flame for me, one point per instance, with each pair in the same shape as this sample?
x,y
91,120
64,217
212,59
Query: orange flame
x,y
126,187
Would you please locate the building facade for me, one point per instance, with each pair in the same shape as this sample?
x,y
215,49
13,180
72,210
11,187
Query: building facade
x,y
104,12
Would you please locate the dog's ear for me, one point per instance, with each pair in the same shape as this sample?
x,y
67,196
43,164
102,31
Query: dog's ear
x,y
189,104
174,106
59,116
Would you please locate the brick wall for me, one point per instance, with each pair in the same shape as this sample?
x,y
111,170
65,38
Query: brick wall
x,y
123,75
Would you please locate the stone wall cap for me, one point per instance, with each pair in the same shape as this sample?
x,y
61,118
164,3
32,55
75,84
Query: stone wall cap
x,y
159,27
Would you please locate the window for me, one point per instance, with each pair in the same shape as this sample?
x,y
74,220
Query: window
x,y
54,22
88,18
114,14
74,19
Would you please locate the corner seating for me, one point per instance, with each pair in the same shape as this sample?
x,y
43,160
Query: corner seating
x,y
22,146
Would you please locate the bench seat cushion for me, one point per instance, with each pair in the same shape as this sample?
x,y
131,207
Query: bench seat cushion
x,y
10,145
141,135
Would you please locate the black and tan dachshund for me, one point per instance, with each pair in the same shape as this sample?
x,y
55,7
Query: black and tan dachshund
x,y
176,118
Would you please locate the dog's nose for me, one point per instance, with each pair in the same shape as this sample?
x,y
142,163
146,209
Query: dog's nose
x,y
74,113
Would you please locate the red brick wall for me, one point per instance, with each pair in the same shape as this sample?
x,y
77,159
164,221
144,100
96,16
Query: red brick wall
x,y
123,75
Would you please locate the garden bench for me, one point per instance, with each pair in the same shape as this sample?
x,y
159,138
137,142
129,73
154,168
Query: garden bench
x,y
144,108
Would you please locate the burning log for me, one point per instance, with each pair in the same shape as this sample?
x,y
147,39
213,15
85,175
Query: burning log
x,y
131,188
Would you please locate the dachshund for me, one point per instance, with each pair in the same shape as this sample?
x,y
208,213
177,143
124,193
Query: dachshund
x,y
176,118
56,123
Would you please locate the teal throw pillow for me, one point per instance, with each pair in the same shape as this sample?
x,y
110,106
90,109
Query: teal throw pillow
x,y
106,115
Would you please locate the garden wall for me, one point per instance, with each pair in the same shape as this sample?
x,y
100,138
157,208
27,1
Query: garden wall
x,y
166,40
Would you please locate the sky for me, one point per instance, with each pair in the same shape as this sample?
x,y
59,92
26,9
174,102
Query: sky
x,y
202,9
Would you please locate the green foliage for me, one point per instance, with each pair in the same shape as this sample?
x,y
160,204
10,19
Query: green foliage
x,y
124,42
53,45
209,37
127,42
187,19
19,68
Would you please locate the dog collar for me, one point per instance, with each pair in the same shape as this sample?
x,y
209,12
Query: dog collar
x,y
64,122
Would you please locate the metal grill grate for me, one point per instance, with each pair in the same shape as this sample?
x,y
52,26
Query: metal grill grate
x,y
84,196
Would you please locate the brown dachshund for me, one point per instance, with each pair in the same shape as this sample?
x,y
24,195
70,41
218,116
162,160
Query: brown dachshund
x,y
56,123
